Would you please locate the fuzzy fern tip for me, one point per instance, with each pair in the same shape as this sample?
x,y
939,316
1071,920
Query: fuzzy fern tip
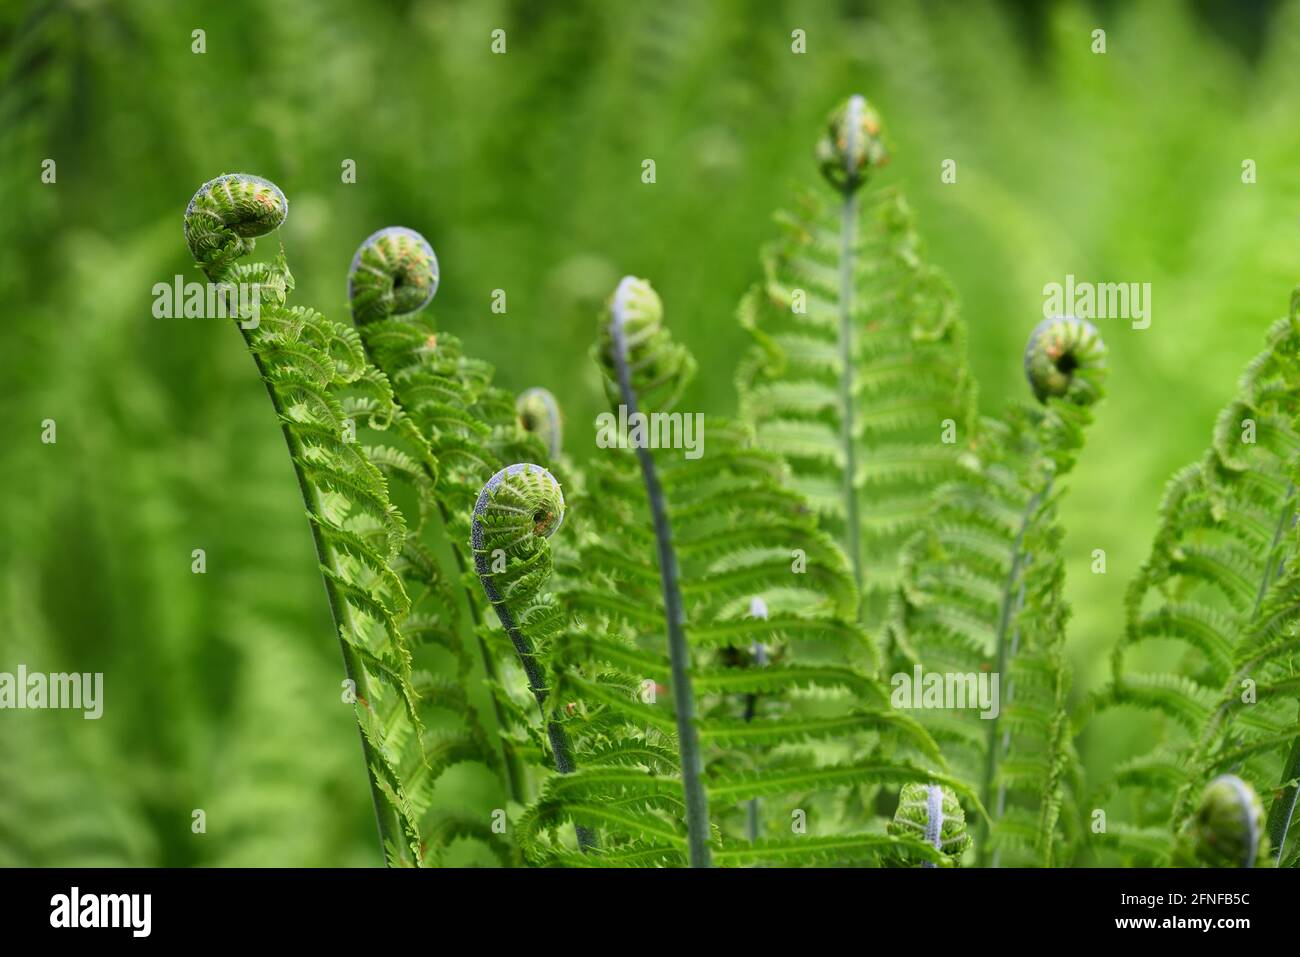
x,y
1066,358
394,273
851,146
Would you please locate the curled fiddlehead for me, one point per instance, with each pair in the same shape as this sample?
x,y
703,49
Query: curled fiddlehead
x,y
394,273
308,363
227,214
933,813
1065,358
1227,829
633,337
851,146
517,511
539,413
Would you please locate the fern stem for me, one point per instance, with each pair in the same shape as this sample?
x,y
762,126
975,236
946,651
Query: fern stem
x,y
679,654
1011,600
848,234
555,732
389,834
1282,811
510,760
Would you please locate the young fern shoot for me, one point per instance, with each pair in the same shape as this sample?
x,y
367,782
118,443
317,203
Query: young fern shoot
x,y
539,414
857,376
305,361
641,357
519,508
849,149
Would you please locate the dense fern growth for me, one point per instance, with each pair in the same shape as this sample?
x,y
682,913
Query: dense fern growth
x,y
1223,583
801,731
981,596
310,365
471,429
859,368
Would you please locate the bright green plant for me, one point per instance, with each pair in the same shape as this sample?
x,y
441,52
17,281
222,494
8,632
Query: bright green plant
x,y
309,364
981,593
705,684
1221,581
859,367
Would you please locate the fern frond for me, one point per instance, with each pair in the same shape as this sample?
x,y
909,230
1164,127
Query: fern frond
x,y
1221,583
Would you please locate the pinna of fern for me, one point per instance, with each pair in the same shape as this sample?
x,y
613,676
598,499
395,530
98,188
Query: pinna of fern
x,y
735,528
1223,583
981,594
859,364
308,365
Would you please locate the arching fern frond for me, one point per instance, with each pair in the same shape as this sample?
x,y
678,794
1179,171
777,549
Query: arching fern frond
x,y
1222,583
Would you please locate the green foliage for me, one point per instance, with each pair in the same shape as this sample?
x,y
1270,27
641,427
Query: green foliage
x,y
309,365
933,813
859,365
981,593
224,695
1221,583
782,714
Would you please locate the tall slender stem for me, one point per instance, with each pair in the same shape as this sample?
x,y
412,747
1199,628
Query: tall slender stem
x,y
679,653
527,658
848,233
1012,597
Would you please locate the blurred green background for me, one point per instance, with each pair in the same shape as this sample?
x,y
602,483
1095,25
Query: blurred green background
x,y
524,170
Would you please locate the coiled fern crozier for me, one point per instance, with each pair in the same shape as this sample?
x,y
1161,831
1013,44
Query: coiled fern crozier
x,y
1223,581
518,510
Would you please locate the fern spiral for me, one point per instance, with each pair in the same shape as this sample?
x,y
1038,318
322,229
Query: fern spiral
x,y
394,272
227,214
539,414
517,511
1227,829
